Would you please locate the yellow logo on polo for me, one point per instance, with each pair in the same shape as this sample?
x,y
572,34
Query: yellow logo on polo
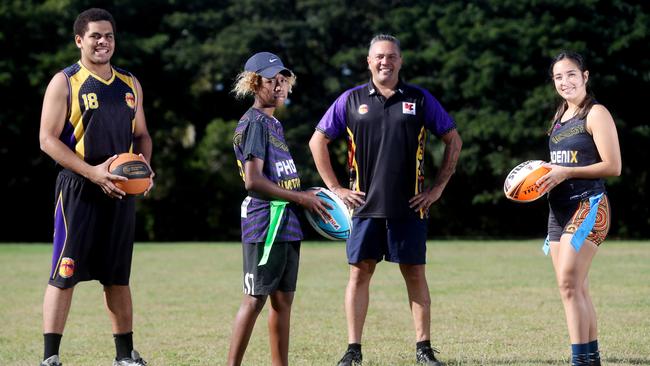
x,y
363,109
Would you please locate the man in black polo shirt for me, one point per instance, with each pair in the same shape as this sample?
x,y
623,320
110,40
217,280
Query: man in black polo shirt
x,y
386,123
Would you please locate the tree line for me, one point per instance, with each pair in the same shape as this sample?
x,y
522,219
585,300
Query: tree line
x,y
485,61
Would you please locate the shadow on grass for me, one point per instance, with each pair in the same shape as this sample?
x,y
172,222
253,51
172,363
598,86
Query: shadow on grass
x,y
467,362
629,361
607,360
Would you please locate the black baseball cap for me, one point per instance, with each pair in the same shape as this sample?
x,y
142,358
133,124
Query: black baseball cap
x,y
266,64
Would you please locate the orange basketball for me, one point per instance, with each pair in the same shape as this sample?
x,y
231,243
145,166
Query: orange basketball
x,y
520,184
135,168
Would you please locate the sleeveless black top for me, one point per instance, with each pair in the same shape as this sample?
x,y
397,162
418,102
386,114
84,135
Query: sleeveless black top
x,y
571,145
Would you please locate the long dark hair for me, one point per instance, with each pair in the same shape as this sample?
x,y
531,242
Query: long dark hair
x,y
585,106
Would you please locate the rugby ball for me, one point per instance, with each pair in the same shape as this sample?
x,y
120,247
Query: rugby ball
x,y
520,184
340,226
135,168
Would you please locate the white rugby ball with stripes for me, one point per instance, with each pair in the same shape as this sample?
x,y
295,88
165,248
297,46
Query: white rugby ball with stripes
x,y
340,226
520,184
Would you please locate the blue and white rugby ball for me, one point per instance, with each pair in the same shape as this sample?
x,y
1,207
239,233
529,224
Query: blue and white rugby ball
x,y
340,226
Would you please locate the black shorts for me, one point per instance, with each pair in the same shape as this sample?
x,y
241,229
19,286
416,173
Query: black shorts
x,y
280,273
93,234
566,218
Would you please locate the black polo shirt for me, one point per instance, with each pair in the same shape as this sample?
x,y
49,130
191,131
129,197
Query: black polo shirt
x,y
386,142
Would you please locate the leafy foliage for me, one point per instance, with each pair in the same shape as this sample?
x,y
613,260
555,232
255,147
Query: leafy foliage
x,y
485,61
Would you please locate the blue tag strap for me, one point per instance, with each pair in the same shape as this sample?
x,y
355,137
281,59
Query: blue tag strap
x,y
547,245
585,228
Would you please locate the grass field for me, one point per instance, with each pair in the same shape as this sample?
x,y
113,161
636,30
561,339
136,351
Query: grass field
x,y
494,303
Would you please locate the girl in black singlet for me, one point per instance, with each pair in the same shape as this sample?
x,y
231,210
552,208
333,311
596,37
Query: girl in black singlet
x,y
584,149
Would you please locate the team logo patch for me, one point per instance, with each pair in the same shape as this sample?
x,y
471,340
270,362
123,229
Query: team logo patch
x,y
130,100
408,108
363,109
66,268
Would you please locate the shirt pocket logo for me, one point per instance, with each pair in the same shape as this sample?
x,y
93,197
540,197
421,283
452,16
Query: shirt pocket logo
x,y
363,109
408,108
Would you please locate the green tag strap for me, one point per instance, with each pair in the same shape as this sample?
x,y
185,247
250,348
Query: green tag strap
x,y
277,210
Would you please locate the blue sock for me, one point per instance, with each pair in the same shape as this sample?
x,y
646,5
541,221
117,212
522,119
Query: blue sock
x,y
593,352
579,354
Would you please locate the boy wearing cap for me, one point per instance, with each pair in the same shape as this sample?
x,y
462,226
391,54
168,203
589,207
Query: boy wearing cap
x,y
271,231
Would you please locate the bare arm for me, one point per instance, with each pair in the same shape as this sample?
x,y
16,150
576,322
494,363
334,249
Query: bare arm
x,y
603,129
142,143
453,144
141,139
53,116
256,181
320,151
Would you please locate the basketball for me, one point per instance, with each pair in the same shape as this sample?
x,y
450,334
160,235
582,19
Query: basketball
x,y
520,184
340,226
135,168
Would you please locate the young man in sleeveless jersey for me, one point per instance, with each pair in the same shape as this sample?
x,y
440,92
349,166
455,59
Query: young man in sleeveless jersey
x,y
92,111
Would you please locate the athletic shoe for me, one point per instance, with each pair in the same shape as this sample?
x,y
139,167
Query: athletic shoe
x,y
426,356
351,357
134,360
52,361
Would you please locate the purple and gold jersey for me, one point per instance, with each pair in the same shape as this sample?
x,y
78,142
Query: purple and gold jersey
x,y
386,141
571,145
260,136
101,113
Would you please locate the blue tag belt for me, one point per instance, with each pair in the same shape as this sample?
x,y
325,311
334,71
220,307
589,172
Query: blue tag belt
x,y
584,229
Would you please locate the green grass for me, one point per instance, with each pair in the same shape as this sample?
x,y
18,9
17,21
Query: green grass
x,y
493,304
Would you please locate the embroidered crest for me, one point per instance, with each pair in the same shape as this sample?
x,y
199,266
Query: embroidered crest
x,y
130,100
408,108
363,109
66,268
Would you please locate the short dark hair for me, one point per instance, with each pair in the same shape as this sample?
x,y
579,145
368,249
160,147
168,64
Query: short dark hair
x,y
385,37
91,15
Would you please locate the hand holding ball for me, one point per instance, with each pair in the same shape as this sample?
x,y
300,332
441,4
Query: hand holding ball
x,y
340,224
135,168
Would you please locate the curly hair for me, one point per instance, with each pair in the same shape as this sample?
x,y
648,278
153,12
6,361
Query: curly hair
x,y
91,15
247,83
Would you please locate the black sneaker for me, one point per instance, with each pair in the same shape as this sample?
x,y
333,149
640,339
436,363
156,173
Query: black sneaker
x,y
351,358
426,356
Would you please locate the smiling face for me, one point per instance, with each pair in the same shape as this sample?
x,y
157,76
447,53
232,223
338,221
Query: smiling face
x,y
570,82
97,44
384,62
271,93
